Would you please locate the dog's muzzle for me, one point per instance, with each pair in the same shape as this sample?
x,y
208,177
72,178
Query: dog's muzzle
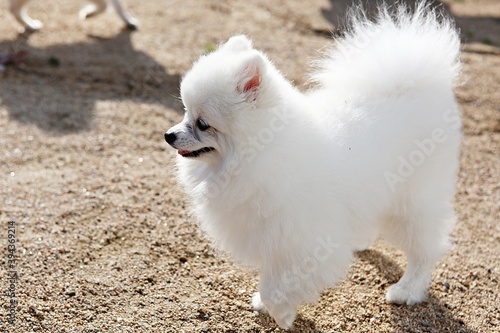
x,y
172,137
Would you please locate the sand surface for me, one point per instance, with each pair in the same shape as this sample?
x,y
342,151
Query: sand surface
x,y
105,241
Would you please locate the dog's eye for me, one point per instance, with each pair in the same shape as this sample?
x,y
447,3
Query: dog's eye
x,y
202,125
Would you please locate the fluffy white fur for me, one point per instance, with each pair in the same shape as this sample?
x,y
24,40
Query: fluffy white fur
x,y
19,9
294,182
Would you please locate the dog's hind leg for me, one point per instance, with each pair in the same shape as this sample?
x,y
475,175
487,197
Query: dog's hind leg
x,y
422,233
132,22
19,10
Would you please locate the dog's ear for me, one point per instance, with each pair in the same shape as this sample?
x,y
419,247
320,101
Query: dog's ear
x,y
250,78
237,43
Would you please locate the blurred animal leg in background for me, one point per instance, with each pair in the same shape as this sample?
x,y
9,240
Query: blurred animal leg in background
x,y
19,9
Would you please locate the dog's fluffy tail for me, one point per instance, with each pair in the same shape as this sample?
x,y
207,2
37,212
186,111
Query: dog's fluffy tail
x,y
394,54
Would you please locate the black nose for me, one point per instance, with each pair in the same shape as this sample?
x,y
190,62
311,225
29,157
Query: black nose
x,y
170,138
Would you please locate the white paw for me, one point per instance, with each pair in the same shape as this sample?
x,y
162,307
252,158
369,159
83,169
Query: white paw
x,y
404,294
132,23
33,25
88,11
257,303
283,314
285,319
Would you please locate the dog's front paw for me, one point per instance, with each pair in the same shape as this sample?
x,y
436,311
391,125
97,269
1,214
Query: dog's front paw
x,y
257,303
285,319
403,294
283,314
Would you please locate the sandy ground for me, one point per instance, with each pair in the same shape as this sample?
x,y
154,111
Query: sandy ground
x,y
105,241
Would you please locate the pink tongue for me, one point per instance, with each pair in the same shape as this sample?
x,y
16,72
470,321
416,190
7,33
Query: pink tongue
x,y
183,152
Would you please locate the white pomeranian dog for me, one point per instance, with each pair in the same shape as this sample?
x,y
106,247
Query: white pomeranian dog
x,y
293,183
19,9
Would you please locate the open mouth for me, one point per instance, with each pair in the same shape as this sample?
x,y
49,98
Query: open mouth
x,y
195,153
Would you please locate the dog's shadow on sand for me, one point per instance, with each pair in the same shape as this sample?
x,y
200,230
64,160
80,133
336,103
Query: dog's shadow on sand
x,y
430,316
57,87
